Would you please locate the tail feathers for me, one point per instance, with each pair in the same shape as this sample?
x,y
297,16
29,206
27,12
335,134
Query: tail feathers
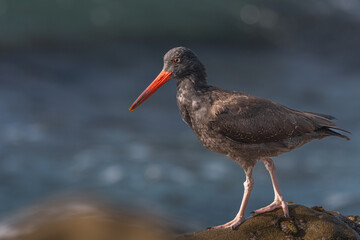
x,y
336,134
327,116
343,130
321,120
323,123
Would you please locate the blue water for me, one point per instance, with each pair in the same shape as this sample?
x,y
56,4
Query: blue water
x,y
65,128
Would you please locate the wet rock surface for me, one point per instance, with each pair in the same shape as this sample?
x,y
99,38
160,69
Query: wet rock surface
x,y
304,223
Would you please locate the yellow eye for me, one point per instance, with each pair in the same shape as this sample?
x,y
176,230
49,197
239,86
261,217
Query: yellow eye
x,y
177,60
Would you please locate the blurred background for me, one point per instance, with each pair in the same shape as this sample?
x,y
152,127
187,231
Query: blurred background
x,y
69,70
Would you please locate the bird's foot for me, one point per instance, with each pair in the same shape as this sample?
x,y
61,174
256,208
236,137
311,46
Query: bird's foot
x,y
272,206
232,224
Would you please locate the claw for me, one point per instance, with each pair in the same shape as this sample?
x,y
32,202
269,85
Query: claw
x,y
237,224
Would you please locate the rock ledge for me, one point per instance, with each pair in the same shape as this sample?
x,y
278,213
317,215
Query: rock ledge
x,y
304,223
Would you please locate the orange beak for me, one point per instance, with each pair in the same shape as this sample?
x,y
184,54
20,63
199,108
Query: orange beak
x,y
160,80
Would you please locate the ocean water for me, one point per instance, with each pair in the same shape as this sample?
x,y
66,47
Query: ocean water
x,y
66,129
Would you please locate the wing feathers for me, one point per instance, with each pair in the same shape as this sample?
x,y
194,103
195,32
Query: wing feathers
x,y
257,120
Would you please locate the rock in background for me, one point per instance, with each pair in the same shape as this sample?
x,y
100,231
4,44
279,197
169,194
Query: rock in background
x,y
81,219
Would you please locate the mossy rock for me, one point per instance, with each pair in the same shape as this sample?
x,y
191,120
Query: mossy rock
x,y
304,223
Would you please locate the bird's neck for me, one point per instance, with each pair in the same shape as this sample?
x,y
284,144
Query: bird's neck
x,y
192,83
189,90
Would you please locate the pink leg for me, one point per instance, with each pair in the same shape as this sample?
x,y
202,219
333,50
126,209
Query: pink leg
x,y
279,200
240,217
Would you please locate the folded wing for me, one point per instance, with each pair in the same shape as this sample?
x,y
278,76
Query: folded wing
x,y
256,120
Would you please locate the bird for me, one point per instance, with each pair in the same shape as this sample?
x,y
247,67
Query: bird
x,y
245,128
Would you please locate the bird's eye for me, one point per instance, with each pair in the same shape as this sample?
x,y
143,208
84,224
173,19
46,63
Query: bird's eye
x,y
177,60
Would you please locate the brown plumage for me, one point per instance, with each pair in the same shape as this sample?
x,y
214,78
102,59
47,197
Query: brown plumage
x,y
243,127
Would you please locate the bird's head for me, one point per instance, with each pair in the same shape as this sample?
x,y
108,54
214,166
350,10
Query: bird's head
x,y
182,62
179,63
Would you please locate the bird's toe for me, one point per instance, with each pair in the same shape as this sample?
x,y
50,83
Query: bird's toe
x,y
237,223
233,224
